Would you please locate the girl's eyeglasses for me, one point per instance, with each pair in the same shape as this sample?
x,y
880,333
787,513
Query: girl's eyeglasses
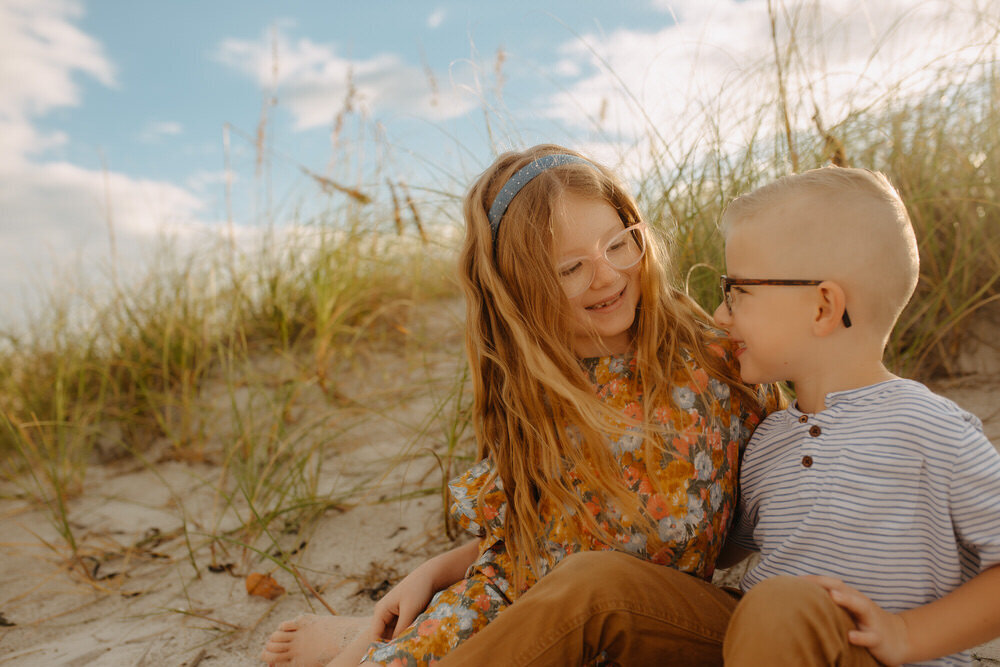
x,y
622,251
727,284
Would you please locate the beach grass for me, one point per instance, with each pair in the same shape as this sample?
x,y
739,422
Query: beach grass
x,y
203,362
242,355
939,149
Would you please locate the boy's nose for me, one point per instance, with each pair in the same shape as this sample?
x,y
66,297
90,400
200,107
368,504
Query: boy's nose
x,y
722,316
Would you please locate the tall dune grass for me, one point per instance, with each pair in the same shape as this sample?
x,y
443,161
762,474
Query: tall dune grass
x,y
131,375
941,151
134,377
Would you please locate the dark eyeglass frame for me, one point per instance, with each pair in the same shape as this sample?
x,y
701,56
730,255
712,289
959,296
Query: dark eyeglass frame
x,y
726,283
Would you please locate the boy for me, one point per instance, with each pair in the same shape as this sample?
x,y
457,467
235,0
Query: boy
x,y
888,491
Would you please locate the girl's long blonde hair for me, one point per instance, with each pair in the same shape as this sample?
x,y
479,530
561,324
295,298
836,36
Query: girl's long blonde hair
x,y
528,383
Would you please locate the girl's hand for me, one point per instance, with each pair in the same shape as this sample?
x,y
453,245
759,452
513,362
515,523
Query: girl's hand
x,y
397,609
882,633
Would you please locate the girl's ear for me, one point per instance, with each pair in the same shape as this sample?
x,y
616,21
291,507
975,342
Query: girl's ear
x,y
830,306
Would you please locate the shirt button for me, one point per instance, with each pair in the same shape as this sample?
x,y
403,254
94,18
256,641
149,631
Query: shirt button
x,y
807,461
814,430
803,419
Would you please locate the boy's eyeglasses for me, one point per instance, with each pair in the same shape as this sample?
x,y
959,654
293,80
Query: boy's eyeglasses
x,y
621,252
727,284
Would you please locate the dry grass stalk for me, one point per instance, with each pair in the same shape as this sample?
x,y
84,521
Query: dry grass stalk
x,y
412,205
397,217
782,93
431,79
499,78
833,148
329,186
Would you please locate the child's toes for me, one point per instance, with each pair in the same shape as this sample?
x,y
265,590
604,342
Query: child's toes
x,y
280,638
278,647
276,652
275,655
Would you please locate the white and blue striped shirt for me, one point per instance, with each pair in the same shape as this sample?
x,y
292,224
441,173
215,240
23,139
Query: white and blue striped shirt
x,y
892,488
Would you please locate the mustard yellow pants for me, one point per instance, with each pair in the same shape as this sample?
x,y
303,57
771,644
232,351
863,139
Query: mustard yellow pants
x,y
611,608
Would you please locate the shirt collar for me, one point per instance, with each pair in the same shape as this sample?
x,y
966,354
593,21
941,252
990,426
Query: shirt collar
x,y
836,399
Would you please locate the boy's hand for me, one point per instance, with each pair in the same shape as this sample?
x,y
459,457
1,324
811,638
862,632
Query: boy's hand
x,y
882,633
397,609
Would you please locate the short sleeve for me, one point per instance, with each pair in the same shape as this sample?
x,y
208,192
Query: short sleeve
x,y
975,495
478,501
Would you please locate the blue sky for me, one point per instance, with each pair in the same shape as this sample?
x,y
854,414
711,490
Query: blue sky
x,y
115,109
178,69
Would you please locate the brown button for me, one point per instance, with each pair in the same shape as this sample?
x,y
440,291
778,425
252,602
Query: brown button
x,y
807,461
803,419
814,430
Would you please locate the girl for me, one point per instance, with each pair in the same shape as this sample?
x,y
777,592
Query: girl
x,y
608,414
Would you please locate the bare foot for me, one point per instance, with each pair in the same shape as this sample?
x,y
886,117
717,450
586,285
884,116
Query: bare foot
x,y
311,640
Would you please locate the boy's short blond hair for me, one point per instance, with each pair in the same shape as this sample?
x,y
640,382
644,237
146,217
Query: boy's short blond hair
x,y
842,224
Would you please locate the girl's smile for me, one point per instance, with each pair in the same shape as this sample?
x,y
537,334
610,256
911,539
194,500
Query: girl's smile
x,y
609,304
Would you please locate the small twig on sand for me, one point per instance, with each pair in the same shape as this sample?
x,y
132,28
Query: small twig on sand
x,y
305,584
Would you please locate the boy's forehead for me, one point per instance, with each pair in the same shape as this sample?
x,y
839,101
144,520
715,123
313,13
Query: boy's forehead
x,y
774,241
747,252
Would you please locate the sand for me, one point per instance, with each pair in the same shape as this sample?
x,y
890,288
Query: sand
x,y
152,598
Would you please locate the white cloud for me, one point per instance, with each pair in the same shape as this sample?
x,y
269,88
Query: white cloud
x,y
18,140
315,83
40,51
436,18
57,215
52,213
714,70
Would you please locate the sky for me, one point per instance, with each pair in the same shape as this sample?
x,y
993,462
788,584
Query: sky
x,y
122,121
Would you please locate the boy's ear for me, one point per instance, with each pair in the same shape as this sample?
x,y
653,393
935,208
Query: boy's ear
x,y
830,305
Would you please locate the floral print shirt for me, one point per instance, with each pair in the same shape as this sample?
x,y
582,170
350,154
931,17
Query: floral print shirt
x,y
692,499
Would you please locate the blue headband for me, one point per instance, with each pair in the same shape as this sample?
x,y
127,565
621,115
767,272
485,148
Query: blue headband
x,y
519,180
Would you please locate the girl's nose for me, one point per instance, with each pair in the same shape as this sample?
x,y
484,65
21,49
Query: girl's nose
x,y
604,273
